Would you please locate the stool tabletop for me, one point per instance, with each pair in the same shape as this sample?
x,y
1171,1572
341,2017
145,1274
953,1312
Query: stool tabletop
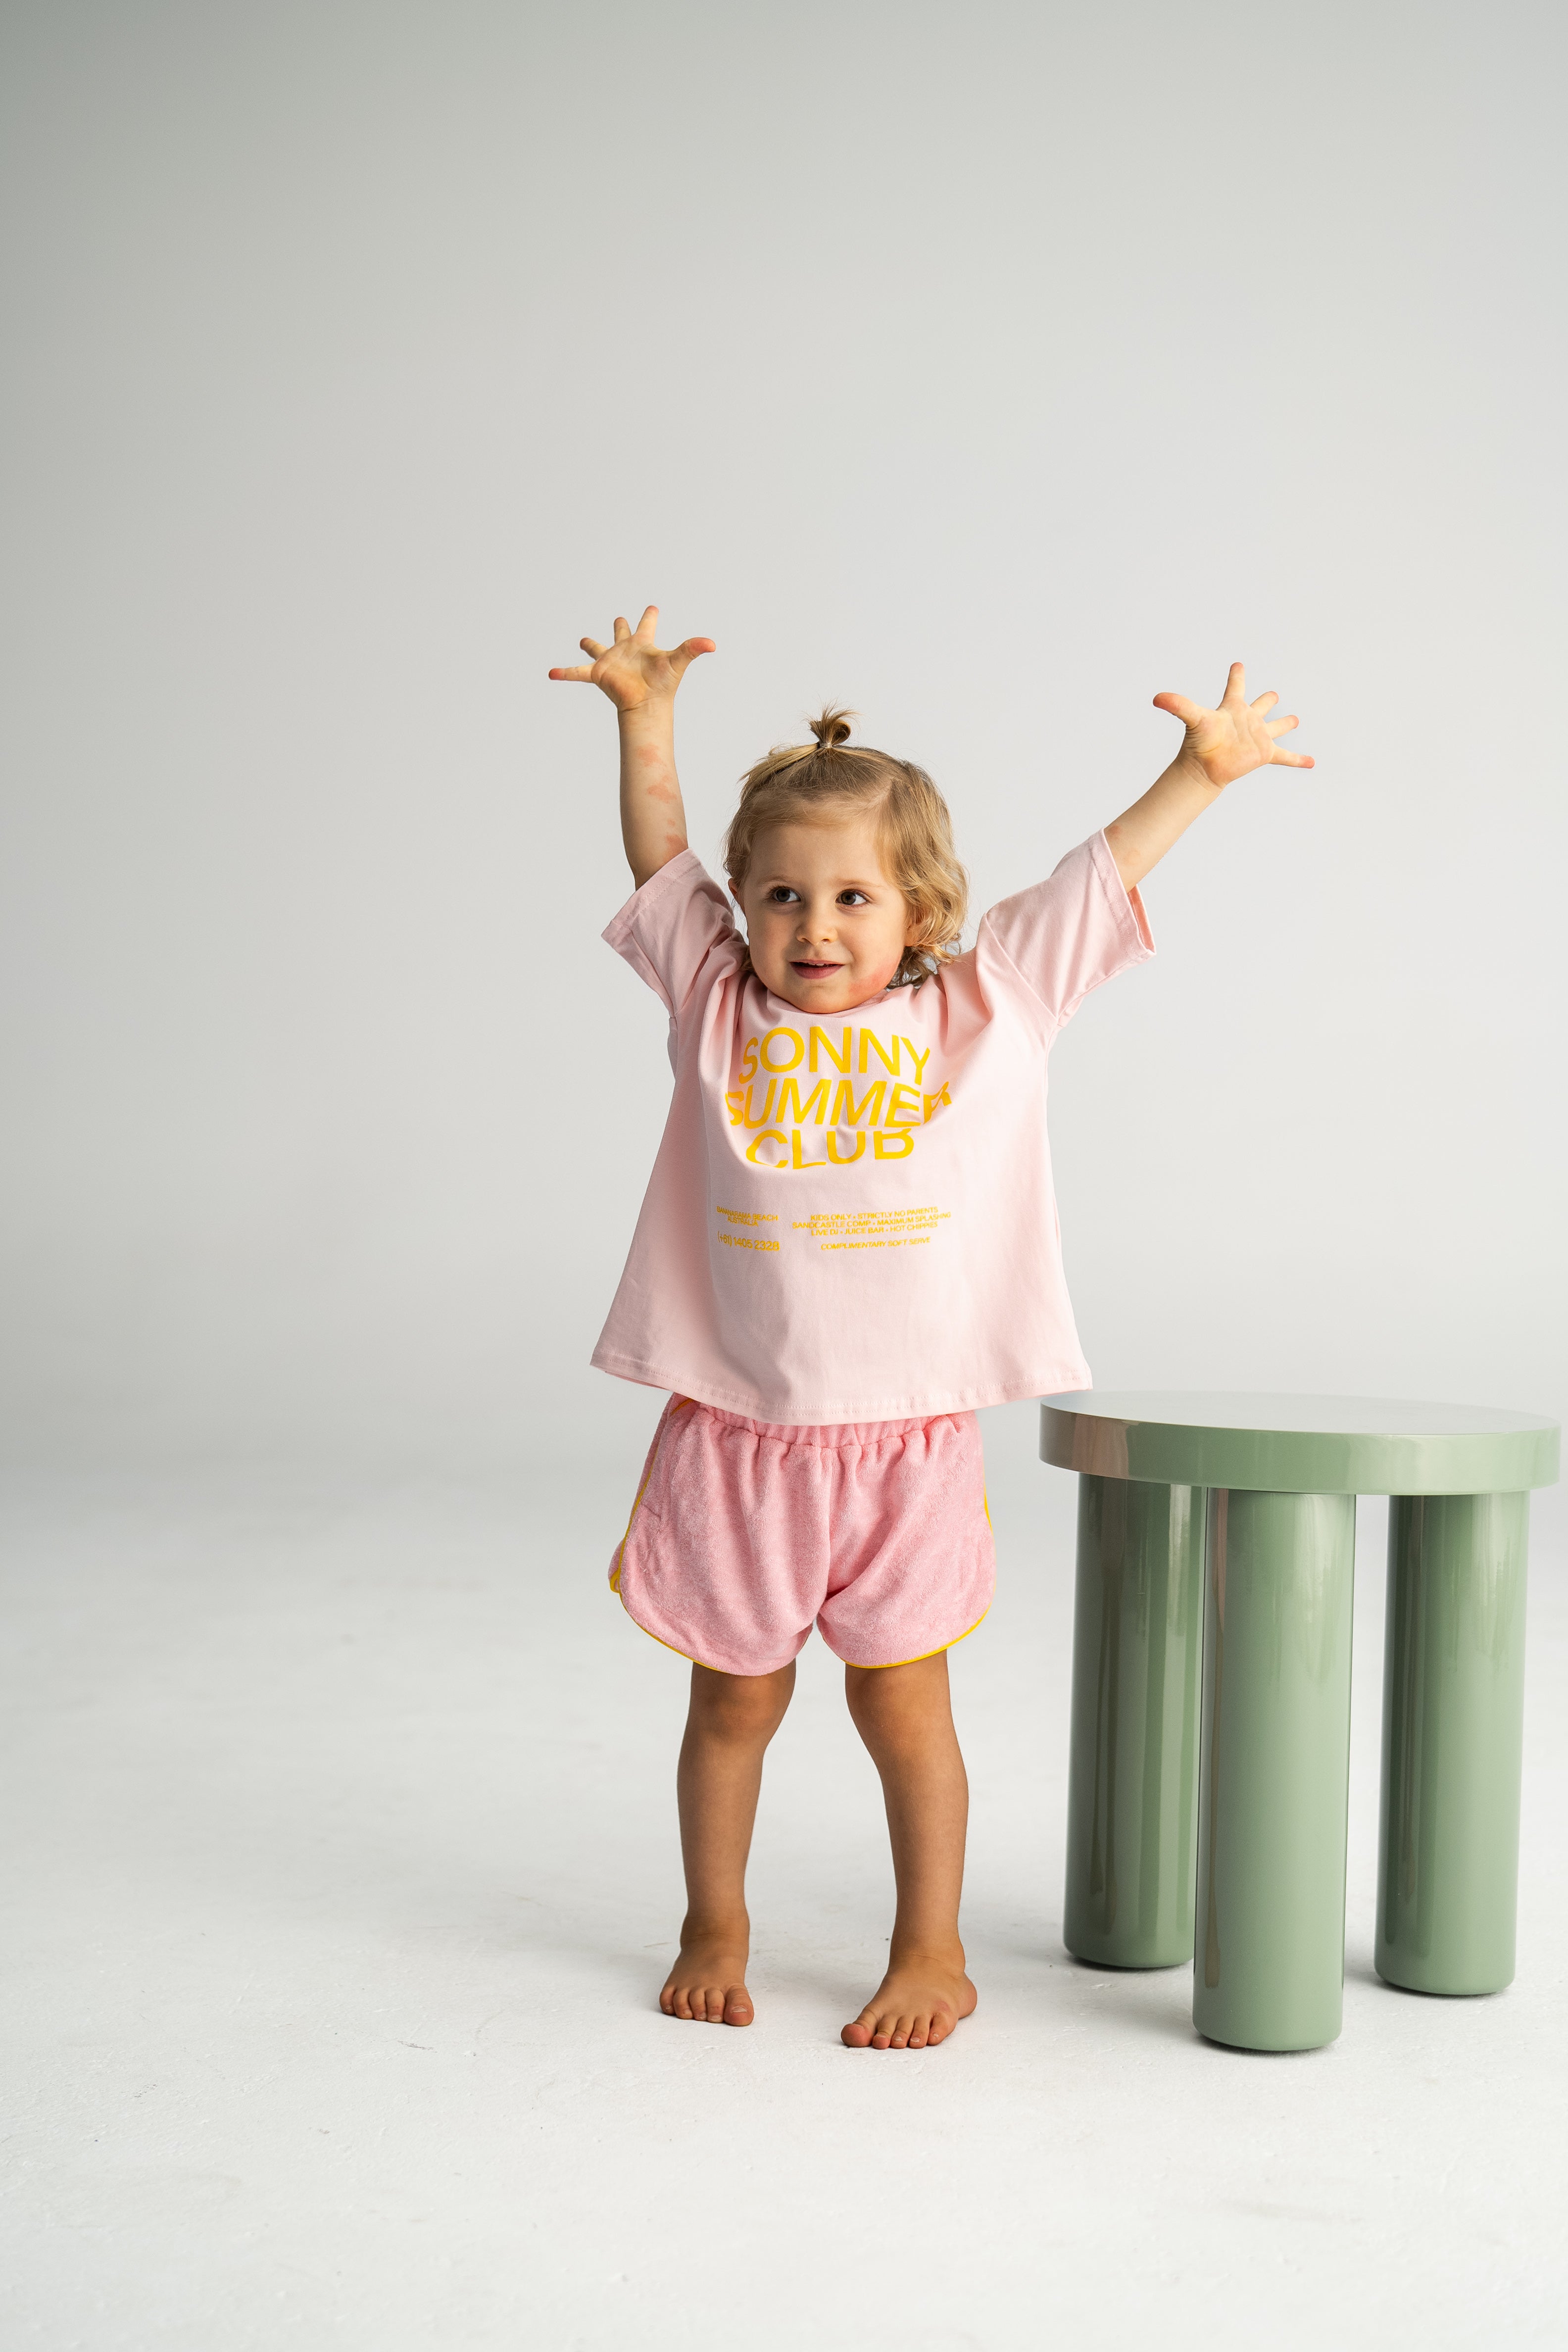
x,y
1297,1444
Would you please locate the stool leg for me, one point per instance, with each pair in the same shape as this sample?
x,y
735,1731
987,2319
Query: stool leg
x,y
1274,1769
1133,1771
1453,1723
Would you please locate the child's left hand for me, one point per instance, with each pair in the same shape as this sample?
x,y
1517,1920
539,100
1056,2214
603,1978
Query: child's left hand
x,y
1237,738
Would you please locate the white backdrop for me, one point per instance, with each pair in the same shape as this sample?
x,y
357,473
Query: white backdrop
x,y
989,367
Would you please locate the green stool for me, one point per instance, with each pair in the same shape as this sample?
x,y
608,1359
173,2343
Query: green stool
x,y
1209,1771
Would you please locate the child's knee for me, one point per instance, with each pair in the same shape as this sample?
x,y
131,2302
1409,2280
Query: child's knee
x,y
886,1697
740,1706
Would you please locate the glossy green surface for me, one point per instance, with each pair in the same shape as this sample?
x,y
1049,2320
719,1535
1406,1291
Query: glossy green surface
x,y
1299,1446
1133,1771
1453,1721
1274,1769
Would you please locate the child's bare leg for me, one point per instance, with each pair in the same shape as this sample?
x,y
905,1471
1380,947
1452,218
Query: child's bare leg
x,y
728,1726
904,1715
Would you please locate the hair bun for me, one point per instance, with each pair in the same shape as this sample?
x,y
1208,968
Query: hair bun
x,y
832,728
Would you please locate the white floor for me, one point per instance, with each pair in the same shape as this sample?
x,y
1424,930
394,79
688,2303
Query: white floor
x,y
341,1884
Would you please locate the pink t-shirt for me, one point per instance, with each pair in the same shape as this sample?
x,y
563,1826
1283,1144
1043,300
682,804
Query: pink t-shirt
x,y
853,1219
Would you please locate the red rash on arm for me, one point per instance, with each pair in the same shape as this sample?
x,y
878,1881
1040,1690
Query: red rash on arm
x,y
653,816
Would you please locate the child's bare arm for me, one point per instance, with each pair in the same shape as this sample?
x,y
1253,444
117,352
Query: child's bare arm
x,y
1220,746
641,682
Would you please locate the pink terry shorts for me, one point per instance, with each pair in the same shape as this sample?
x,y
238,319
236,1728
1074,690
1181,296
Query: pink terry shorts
x,y
744,1532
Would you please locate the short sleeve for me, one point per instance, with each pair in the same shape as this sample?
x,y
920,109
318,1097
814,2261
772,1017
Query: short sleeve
x,y
1065,936
671,930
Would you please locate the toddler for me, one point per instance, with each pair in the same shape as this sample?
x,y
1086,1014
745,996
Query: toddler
x,y
848,1244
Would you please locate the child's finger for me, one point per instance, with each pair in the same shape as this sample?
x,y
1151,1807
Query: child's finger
x,y
1265,702
644,628
592,646
574,676
623,628
1294,760
1236,683
685,653
1279,726
1181,708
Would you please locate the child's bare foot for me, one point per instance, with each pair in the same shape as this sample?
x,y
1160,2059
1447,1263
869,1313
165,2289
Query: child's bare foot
x,y
917,2004
708,1983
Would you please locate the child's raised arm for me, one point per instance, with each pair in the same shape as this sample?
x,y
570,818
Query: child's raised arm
x,y
641,682
1220,746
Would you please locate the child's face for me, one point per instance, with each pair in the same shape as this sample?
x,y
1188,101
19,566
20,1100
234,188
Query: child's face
x,y
827,927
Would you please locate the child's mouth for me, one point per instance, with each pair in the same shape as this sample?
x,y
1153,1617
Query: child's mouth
x,y
815,970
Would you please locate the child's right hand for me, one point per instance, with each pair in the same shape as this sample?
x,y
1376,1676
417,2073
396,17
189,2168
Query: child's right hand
x,y
634,670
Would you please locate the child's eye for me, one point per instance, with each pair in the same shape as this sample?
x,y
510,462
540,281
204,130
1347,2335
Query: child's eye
x,y
853,899
780,895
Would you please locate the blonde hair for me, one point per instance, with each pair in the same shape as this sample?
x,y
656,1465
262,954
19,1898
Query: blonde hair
x,y
808,781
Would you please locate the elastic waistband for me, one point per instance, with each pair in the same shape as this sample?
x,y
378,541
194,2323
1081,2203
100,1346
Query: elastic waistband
x,y
831,1435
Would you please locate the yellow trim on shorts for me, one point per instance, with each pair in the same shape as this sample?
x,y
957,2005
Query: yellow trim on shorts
x,y
676,1404
658,1637
985,1507
693,1660
885,1666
